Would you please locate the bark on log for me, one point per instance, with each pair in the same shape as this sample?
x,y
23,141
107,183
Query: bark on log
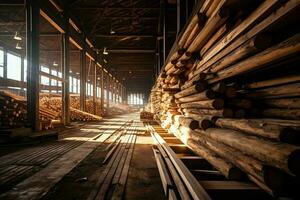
x,y
199,87
228,113
273,82
282,103
263,128
289,90
205,95
281,113
287,48
217,104
248,164
226,168
280,155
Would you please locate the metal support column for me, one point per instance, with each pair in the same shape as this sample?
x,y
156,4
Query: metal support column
x,y
32,29
164,32
107,90
82,80
102,89
94,88
65,83
178,17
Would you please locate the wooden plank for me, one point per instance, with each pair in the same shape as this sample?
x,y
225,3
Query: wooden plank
x,y
162,169
228,185
172,195
45,179
177,180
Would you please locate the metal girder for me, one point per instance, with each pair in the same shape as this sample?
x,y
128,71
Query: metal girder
x,y
123,8
32,28
131,50
120,35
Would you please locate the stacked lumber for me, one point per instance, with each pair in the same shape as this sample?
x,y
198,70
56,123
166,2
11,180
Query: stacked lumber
x,y
235,66
53,103
13,110
146,115
118,109
78,115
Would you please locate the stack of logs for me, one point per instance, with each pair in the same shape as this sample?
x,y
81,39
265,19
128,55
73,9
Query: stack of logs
x,y
13,110
54,103
234,77
13,113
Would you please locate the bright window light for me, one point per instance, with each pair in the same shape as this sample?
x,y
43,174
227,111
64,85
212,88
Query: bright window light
x,y
13,67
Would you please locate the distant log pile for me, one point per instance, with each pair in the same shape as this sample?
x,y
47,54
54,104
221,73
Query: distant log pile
x,y
230,89
14,111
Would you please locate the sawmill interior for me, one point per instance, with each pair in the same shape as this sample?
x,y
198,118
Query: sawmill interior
x,y
149,99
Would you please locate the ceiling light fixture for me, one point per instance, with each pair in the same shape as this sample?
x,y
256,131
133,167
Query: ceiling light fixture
x,y
111,30
17,36
18,46
104,51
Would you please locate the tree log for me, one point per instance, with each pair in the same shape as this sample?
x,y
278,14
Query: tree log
x,y
282,103
287,48
273,82
281,113
199,87
252,166
205,95
225,167
280,155
228,113
217,104
289,90
263,128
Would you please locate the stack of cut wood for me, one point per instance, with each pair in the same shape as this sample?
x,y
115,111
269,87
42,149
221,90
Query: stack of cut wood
x,y
89,104
54,103
146,115
78,115
13,110
237,66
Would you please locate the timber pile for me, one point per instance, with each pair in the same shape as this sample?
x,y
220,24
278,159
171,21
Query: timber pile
x,y
54,103
13,110
118,109
146,115
89,105
234,75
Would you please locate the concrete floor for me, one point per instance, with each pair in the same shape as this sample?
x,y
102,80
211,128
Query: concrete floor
x,y
70,167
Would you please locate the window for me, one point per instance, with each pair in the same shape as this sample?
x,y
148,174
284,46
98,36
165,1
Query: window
x,y
135,99
13,67
45,69
74,83
25,70
45,80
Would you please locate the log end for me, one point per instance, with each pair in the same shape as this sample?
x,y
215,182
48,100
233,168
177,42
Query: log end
x,y
290,136
205,124
194,125
235,174
227,113
274,178
218,104
294,162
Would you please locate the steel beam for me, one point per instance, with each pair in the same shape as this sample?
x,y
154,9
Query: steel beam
x,y
32,29
82,79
